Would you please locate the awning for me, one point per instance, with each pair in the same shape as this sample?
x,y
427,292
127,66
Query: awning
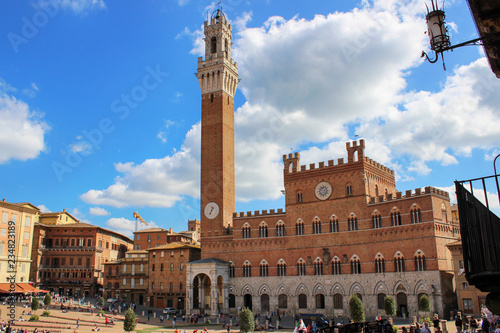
x,y
20,288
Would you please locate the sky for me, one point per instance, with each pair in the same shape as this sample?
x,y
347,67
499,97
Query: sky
x,y
100,110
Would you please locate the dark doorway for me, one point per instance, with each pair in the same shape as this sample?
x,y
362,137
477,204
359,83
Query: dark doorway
x,y
247,301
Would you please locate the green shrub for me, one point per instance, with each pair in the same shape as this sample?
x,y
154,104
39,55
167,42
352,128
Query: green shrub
x,y
100,302
389,306
424,303
47,300
35,304
129,322
426,319
34,318
246,320
46,313
356,309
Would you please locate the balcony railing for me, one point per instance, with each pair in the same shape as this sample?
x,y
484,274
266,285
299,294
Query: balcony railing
x,y
480,229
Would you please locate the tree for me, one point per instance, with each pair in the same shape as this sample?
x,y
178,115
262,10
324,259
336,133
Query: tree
x,y
129,322
424,303
47,300
35,304
100,302
389,306
356,309
246,320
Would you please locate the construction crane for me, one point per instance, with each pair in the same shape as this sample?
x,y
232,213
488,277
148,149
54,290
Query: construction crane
x,y
137,219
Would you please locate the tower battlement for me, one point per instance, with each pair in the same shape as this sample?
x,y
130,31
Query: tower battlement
x,y
355,154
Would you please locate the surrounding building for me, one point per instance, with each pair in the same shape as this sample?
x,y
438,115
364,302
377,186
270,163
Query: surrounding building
x,y
68,257
486,15
346,228
470,299
167,273
153,237
16,239
127,278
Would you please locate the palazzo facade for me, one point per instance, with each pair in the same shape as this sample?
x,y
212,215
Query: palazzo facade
x,y
345,229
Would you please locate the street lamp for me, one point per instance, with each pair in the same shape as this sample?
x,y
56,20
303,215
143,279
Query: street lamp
x,y
438,34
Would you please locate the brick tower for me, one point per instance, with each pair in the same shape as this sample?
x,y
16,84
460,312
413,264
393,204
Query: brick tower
x,y
218,78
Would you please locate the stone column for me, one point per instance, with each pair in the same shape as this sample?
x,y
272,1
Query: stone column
x,y
214,299
225,298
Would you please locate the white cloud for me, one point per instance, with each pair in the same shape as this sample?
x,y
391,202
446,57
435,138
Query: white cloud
x,y
98,211
155,182
23,130
44,209
81,147
307,83
76,6
126,227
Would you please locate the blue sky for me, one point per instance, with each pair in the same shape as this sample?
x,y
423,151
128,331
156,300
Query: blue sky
x,y
100,109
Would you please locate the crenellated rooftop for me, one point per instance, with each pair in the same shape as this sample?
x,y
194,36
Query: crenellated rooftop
x,y
408,194
292,161
264,212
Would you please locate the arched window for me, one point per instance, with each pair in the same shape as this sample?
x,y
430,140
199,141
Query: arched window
x,y
420,264
117,271
355,265
280,229
416,214
349,189
264,268
231,270
316,226
299,226
376,191
281,268
334,224
302,301
318,267
338,301
299,197
336,266
352,222
379,264
399,262
110,271
263,230
377,220
320,301
213,45
246,230
395,218
282,301
301,267
247,269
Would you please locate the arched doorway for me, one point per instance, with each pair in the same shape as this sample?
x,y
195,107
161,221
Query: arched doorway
x,y
247,301
201,292
402,302
264,304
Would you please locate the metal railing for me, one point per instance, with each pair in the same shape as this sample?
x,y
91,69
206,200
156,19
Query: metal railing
x,y
480,229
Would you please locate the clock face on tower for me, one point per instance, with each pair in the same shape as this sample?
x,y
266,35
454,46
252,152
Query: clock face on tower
x,y
323,190
211,210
